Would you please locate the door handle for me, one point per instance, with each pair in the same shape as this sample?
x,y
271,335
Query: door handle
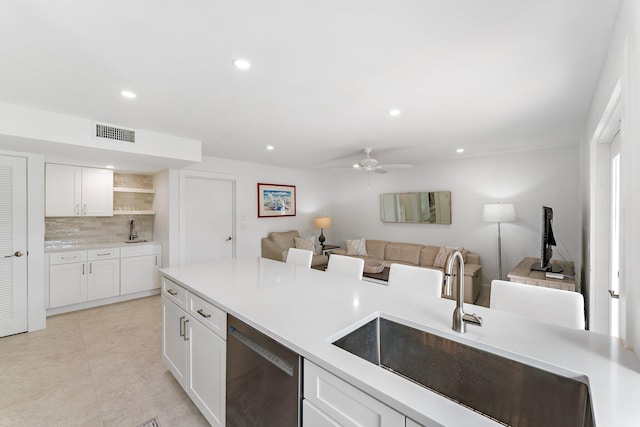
x,y
15,254
227,239
614,294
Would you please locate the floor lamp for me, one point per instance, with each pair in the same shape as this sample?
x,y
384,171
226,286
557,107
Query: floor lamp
x,y
499,212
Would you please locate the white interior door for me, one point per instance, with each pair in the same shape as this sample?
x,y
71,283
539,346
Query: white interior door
x,y
13,245
206,217
614,246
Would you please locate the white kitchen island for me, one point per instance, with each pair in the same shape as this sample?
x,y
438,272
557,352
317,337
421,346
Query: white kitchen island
x,y
306,309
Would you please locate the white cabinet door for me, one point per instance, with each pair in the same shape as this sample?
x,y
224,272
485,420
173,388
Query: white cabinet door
x,y
343,403
137,274
206,371
63,190
67,284
97,192
314,417
104,279
174,348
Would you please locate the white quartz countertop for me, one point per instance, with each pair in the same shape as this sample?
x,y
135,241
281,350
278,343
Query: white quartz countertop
x,y
306,309
60,247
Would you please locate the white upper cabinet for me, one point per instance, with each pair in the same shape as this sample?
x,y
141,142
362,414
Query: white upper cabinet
x,y
78,191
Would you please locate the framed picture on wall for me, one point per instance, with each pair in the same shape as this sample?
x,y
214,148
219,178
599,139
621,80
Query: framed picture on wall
x,y
276,200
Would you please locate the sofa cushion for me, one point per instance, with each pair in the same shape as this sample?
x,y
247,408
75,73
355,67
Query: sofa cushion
x,y
443,255
284,239
404,252
356,247
306,243
375,248
428,255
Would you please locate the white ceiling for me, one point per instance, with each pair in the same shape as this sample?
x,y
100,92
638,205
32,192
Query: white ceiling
x,y
487,75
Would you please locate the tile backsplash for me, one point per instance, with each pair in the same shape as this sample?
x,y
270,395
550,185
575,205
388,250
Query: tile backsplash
x,y
87,229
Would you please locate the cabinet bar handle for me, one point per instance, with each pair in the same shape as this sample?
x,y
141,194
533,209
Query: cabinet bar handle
x,y
172,292
83,269
84,210
182,326
156,259
78,209
90,268
186,329
203,314
103,254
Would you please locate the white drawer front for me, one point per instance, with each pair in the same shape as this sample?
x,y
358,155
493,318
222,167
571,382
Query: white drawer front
x,y
314,417
174,292
344,403
67,257
211,316
137,249
96,254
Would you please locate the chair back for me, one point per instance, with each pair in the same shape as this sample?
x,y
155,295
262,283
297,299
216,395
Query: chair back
x,y
346,265
419,280
565,308
299,257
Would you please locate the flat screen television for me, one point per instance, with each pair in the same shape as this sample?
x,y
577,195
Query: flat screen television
x,y
546,242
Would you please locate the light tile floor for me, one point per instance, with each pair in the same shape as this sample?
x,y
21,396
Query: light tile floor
x,y
96,367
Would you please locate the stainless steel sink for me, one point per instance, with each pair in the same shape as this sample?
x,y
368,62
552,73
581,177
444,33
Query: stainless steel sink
x,y
136,241
500,388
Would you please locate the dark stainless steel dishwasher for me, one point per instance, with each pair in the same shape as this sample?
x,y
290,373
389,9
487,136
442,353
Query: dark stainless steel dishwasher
x,y
263,379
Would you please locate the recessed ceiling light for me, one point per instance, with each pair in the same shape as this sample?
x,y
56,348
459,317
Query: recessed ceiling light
x,y
460,150
241,64
270,147
109,167
394,112
356,165
128,94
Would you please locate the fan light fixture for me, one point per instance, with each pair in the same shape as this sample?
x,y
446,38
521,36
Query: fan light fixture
x,y
394,112
270,147
128,94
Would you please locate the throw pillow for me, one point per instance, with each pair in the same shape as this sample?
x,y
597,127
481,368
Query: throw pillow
x,y
357,247
443,255
306,243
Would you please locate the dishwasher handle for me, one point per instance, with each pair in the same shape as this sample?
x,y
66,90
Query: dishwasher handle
x,y
269,355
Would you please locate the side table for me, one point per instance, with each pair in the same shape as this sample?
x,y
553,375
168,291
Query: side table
x,y
522,273
327,249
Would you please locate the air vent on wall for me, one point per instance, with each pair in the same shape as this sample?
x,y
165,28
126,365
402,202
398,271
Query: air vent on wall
x,y
115,133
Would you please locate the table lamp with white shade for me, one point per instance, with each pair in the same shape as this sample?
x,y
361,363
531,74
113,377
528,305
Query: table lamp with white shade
x,y
322,222
499,212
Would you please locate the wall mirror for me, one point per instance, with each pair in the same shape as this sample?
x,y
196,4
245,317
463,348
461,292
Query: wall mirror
x,y
433,207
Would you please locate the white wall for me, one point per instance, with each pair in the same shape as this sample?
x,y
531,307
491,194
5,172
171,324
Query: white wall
x,y
627,24
312,199
529,180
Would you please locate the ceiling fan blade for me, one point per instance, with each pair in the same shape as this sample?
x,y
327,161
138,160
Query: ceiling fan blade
x,y
344,167
397,166
380,171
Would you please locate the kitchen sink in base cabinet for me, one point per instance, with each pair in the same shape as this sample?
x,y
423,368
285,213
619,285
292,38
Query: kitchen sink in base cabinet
x,y
194,349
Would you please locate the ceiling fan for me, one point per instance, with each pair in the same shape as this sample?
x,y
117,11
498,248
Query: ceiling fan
x,y
369,164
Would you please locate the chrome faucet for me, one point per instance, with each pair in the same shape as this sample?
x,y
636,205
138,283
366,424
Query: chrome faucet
x,y
460,318
133,233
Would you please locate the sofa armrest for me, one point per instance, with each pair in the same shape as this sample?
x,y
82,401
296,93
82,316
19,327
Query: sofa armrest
x,y
472,258
471,269
272,251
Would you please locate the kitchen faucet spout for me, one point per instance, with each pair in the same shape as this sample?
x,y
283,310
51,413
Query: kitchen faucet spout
x,y
460,318
133,233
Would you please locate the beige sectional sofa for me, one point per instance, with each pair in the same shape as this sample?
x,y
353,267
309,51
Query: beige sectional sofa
x,y
277,244
388,253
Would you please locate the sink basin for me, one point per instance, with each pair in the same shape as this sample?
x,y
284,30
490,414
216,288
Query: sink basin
x,y
136,241
498,387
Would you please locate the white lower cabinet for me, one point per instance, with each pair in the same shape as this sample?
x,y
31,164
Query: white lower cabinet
x,y
330,401
139,268
194,349
67,284
103,280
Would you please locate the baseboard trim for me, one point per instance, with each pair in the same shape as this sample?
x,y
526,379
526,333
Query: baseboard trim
x,y
98,303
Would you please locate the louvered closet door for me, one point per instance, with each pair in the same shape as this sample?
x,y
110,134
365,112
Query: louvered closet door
x,y
13,245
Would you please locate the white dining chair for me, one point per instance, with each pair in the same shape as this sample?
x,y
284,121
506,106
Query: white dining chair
x,y
346,265
424,281
565,308
301,257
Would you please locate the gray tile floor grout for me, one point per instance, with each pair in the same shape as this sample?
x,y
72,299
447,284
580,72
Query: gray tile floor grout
x,y
95,367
